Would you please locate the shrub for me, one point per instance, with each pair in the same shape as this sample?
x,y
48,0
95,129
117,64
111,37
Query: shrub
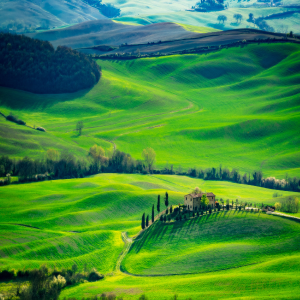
x,y
41,129
95,276
7,275
161,218
15,119
23,274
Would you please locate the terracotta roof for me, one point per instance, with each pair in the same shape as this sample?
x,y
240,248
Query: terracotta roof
x,y
200,195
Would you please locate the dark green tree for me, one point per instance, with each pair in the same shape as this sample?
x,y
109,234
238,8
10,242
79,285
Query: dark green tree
x,y
79,127
158,203
147,221
167,199
143,221
152,219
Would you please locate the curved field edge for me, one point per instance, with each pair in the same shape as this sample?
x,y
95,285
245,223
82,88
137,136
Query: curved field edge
x,y
208,243
238,107
247,282
81,220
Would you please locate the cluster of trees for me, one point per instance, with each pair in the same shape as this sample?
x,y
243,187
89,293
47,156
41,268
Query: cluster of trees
x,y
107,10
15,119
183,212
35,66
259,22
255,178
46,284
65,165
210,5
146,220
223,18
289,204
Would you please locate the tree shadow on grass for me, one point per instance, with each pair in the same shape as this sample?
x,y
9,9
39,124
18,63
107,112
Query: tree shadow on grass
x,y
18,99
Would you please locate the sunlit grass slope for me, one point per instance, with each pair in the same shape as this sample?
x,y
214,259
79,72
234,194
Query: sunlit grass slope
x,y
279,283
238,107
81,220
213,242
204,19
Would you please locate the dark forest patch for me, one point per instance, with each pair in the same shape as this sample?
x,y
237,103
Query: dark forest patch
x,y
35,66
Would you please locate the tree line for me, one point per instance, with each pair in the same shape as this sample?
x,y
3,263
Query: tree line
x,y
255,178
35,66
65,165
146,220
183,212
108,10
44,283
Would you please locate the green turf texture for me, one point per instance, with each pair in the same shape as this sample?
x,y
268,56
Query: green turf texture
x,y
224,239
81,220
238,107
210,19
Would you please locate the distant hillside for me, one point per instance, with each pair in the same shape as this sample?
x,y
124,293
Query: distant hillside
x,y
18,15
238,107
35,66
107,32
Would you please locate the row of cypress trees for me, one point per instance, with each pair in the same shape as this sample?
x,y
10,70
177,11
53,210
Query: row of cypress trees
x,y
145,219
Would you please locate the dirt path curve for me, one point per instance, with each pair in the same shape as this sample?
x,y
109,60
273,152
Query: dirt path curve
x,y
285,216
129,241
127,244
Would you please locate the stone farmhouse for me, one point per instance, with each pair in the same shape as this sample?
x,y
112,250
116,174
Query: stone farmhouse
x,y
193,201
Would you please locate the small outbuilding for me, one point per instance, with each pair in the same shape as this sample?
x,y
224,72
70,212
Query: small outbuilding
x,y
193,201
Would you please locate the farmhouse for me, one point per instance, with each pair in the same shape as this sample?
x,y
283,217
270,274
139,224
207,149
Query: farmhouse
x,y
193,201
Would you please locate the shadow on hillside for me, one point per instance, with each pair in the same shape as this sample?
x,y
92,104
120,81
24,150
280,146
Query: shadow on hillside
x,y
18,99
216,26
155,233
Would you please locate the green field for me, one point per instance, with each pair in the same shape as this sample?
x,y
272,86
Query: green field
x,y
238,107
209,243
81,220
204,19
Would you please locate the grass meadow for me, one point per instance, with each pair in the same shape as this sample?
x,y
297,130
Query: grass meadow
x,y
81,220
238,107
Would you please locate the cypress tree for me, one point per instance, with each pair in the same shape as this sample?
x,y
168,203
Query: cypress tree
x,y
167,199
153,213
158,203
147,221
143,221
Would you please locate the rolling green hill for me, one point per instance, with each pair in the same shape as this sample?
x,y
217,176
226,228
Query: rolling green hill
x,y
238,107
81,220
209,243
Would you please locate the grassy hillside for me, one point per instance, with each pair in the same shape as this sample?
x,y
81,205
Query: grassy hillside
x,y
213,242
279,281
204,19
19,14
81,220
238,107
